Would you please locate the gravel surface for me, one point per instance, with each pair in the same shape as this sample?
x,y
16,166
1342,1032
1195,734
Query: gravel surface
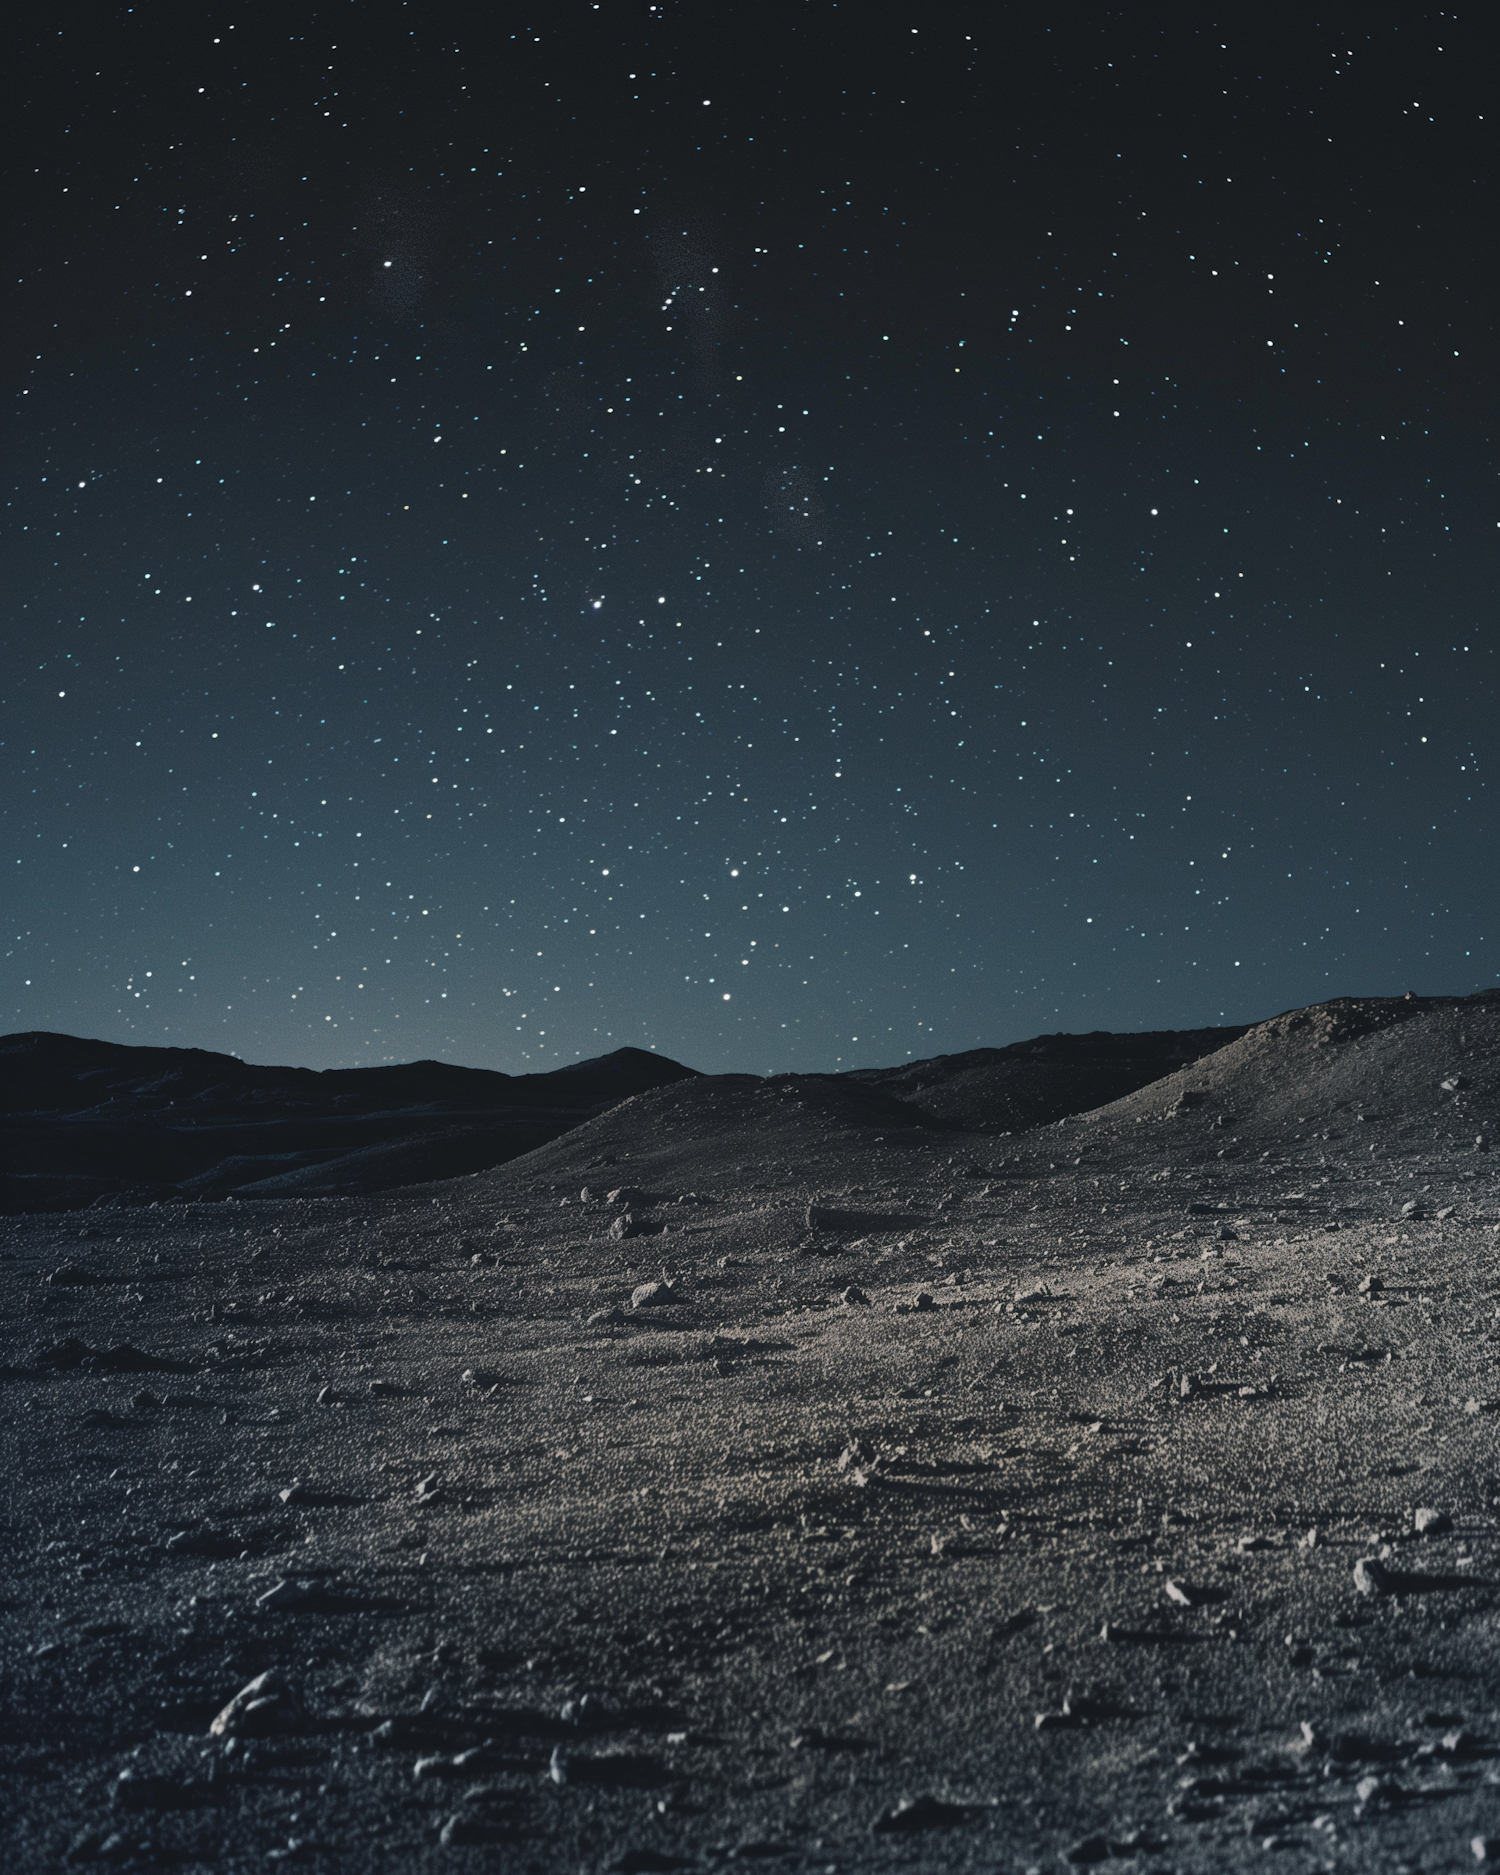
x,y
823,1490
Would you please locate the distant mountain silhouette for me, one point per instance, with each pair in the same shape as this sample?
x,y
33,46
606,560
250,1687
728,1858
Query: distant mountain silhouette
x,y
86,1122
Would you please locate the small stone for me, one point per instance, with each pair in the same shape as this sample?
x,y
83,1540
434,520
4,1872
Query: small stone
x,y
143,1790
1429,1522
557,1769
460,1829
1444,1210
914,1813
1371,1577
267,1704
606,1317
1092,1849
625,1197
295,1493
1485,1848
1412,1208
1182,1593
433,1765
288,1594
1371,1285
143,1401
854,1297
385,1390
427,1487
1377,1790
923,1300
653,1295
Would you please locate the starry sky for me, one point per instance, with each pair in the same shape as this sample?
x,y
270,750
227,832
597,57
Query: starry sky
x,y
799,536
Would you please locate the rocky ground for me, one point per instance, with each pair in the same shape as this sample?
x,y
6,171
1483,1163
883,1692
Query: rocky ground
x,y
845,1492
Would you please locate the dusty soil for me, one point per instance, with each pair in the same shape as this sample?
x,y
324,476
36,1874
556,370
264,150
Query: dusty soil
x,y
1046,1495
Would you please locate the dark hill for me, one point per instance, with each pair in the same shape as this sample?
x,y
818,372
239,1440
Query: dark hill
x,y
1007,1090
1385,1074
85,1121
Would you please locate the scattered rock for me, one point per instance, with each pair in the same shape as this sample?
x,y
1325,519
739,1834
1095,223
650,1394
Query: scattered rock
x,y
924,1300
924,1812
1371,1285
72,1353
147,1790
266,1705
1377,1790
1429,1522
623,1226
291,1594
625,1198
1184,1594
427,1488
461,1829
653,1295
1413,1208
854,1297
1371,1577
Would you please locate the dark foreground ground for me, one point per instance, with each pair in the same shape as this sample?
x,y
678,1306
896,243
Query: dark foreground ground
x,y
1059,1494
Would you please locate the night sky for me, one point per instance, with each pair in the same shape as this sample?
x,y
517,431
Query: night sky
x,y
796,536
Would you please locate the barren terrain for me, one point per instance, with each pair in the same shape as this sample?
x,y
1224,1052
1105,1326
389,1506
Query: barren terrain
x,y
779,1472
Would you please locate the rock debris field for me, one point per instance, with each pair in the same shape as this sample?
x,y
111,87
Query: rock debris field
x,y
788,1472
